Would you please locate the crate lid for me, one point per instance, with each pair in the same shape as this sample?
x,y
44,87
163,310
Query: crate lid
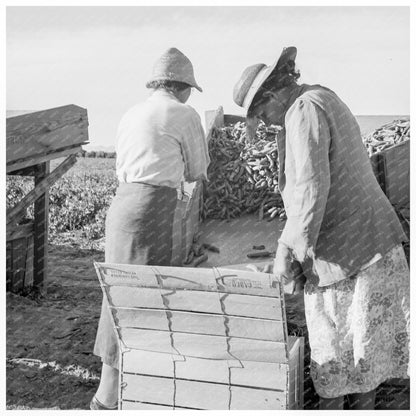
x,y
207,313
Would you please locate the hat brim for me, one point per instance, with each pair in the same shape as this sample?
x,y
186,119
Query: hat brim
x,y
148,83
286,55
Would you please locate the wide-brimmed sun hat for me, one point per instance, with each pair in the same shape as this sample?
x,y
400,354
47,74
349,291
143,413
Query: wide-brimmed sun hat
x,y
173,65
254,76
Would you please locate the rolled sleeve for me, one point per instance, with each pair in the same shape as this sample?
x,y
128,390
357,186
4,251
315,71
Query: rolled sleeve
x,y
194,149
307,171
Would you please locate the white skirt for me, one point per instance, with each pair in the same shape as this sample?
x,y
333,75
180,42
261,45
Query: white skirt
x,y
359,328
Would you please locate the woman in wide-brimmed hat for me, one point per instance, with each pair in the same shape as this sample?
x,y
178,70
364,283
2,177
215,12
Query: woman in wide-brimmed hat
x,y
342,230
159,142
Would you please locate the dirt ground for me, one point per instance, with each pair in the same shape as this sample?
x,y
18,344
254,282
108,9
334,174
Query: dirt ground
x,y
49,343
50,340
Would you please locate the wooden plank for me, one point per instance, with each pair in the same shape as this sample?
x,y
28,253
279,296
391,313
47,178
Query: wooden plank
x,y
45,131
42,182
144,389
19,250
28,171
29,262
213,118
9,265
377,164
196,301
203,346
296,370
397,174
233,119
19,231
41,219
259,374
240,373
197,323
194,394
177,278
257,399
130,405
301,373
22,167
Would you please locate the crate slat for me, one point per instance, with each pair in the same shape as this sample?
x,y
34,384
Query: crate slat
x,y
195,301
18,262
241,373
24,167
19,231
197,323
296,376
196,394
131,405
203,346
29,262
176,278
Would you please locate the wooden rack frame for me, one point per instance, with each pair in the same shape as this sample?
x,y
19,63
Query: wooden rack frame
x,y
33,140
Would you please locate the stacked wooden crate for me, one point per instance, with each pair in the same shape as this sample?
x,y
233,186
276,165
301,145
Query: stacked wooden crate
x,y
195,338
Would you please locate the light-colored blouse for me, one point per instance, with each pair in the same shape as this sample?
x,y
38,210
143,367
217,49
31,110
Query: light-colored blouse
x,y
161,142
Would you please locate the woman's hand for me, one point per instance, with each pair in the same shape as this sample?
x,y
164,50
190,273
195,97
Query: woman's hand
x,y
284,268
288,270
282,263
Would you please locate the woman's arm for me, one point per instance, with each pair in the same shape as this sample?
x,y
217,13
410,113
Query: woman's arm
x,y
194,149
307,148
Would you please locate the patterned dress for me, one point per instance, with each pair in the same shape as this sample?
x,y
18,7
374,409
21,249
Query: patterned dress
x,y
359,328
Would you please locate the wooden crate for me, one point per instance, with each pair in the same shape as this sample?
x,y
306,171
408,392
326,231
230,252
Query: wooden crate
x,y
195,338
392,170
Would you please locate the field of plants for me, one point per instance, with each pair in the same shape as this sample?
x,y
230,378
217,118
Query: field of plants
x,y
78,202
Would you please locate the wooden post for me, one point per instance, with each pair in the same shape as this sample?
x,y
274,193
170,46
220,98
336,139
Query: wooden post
x,y
40,240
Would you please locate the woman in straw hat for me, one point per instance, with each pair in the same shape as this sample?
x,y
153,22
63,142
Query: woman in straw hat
x,y
342,230
159,142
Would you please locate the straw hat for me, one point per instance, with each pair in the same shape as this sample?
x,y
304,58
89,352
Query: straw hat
x,y
254,76
173,65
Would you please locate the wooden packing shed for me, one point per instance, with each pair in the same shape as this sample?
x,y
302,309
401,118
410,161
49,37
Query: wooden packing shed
x,y
195,338
32,141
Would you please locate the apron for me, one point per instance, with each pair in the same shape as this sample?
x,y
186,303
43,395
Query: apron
x,y
139,227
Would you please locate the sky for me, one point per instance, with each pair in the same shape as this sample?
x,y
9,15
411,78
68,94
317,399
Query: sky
x,y
100,58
